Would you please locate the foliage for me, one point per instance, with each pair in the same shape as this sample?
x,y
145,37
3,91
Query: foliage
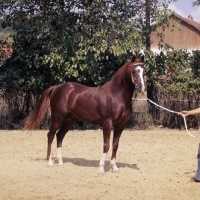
x,y
196,3
63,40
181,68
59,41
154,65
176,86
81,41
176,72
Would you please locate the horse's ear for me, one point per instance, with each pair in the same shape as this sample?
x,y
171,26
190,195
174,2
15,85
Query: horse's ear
x,y
133,58
142,58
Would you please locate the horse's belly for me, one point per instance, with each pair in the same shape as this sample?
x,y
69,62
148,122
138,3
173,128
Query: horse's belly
x,y
88,115
90,119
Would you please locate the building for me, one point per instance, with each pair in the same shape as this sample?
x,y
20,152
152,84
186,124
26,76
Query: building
x,y
182,33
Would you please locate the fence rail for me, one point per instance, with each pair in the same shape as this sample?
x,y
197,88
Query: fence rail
x,y
14,107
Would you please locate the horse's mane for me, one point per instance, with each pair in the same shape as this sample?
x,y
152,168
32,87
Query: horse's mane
x,y
118,79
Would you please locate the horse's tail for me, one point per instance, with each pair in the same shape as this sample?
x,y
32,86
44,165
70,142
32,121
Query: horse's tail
x,y
34,120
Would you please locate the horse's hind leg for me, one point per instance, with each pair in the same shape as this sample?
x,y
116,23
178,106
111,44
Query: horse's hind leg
x,y
116,137
53,128
60,135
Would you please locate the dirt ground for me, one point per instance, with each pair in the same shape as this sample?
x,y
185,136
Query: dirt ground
x,y
154,164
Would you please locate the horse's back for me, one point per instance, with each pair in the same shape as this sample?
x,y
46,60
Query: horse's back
x,y
79,100
88,104
68,92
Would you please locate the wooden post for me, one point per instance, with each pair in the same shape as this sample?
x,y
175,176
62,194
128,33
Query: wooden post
x,y
148,25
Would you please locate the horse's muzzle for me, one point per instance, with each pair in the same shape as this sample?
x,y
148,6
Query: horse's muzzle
x,y
141,89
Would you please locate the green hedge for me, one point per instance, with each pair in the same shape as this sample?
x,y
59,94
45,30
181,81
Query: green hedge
x,y
173,82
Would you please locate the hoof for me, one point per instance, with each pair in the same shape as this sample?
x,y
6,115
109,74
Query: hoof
x,y
115,170
101,169
60,164
101,172
50,164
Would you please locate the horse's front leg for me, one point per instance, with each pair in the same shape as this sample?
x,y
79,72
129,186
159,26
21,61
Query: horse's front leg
x,y
107,126
116,137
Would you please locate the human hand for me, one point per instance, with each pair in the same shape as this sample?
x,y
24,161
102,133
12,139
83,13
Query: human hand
x,y
184,113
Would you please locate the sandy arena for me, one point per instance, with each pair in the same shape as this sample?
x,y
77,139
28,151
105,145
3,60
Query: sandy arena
x,y
154,164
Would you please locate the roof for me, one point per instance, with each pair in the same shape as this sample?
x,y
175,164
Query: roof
x,y
188,20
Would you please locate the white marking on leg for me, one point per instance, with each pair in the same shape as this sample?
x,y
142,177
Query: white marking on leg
x,y
50,162
59,156
114,167
102,163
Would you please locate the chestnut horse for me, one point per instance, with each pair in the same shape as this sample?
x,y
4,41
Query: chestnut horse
x,y
109,106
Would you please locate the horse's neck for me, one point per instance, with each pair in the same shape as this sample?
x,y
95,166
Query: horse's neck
x,y
128,91
126,86
120,85
124,91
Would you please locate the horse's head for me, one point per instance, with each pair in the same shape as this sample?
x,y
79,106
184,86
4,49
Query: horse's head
x,y
138,73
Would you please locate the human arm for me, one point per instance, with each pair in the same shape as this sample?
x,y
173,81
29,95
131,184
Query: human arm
x,y
191,112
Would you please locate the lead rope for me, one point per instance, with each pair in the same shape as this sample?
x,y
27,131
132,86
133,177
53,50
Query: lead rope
x,y
178,114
